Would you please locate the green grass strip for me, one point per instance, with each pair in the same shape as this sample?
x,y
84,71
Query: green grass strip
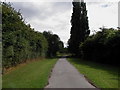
x,y
101,75
32,75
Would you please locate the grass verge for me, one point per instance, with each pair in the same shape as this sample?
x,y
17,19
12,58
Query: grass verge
x,y
103,76
31,75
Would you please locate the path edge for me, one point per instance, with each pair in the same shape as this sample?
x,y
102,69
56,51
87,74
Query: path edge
x,y
46,86
89,81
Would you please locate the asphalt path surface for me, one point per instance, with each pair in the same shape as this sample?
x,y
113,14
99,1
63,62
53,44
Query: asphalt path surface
x,y
65,75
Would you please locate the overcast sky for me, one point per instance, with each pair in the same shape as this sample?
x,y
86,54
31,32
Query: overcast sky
x,y
56,16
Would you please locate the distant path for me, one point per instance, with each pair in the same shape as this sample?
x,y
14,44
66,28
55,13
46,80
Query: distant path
x,y
64,75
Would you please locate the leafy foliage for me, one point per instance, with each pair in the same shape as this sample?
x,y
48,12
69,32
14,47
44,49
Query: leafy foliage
x,y
54,43
79,29
102,47
20,41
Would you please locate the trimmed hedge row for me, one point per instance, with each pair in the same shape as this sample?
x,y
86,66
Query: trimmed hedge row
x,y
102,47
19,41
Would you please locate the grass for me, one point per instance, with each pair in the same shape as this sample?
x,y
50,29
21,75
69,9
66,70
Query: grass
x,y
32,75
103,76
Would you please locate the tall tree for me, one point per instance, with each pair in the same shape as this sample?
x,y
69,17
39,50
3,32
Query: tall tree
x,y
80,29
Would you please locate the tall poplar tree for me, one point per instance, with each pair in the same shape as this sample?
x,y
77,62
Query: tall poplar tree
x,y
80,29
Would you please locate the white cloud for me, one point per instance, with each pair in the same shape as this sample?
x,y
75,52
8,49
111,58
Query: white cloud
x,y
103,16
56,16
53,17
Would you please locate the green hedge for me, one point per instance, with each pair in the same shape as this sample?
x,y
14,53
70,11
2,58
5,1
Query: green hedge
x,y
19,41
102,47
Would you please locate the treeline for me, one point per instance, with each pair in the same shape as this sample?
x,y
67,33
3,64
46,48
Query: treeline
x,y
54,44
20,42
103,47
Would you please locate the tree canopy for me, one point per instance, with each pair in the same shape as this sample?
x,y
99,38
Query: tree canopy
x,y
80,29
54,43
20,42
102,47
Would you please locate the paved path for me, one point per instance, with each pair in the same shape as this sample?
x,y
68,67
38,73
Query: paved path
x,y
64,75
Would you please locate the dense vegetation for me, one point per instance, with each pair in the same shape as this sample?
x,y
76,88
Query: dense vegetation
x,y
21,42
79,29
54,43
102,47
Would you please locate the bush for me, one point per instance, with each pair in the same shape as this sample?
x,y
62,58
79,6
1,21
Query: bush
x,y
20,41
102,47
